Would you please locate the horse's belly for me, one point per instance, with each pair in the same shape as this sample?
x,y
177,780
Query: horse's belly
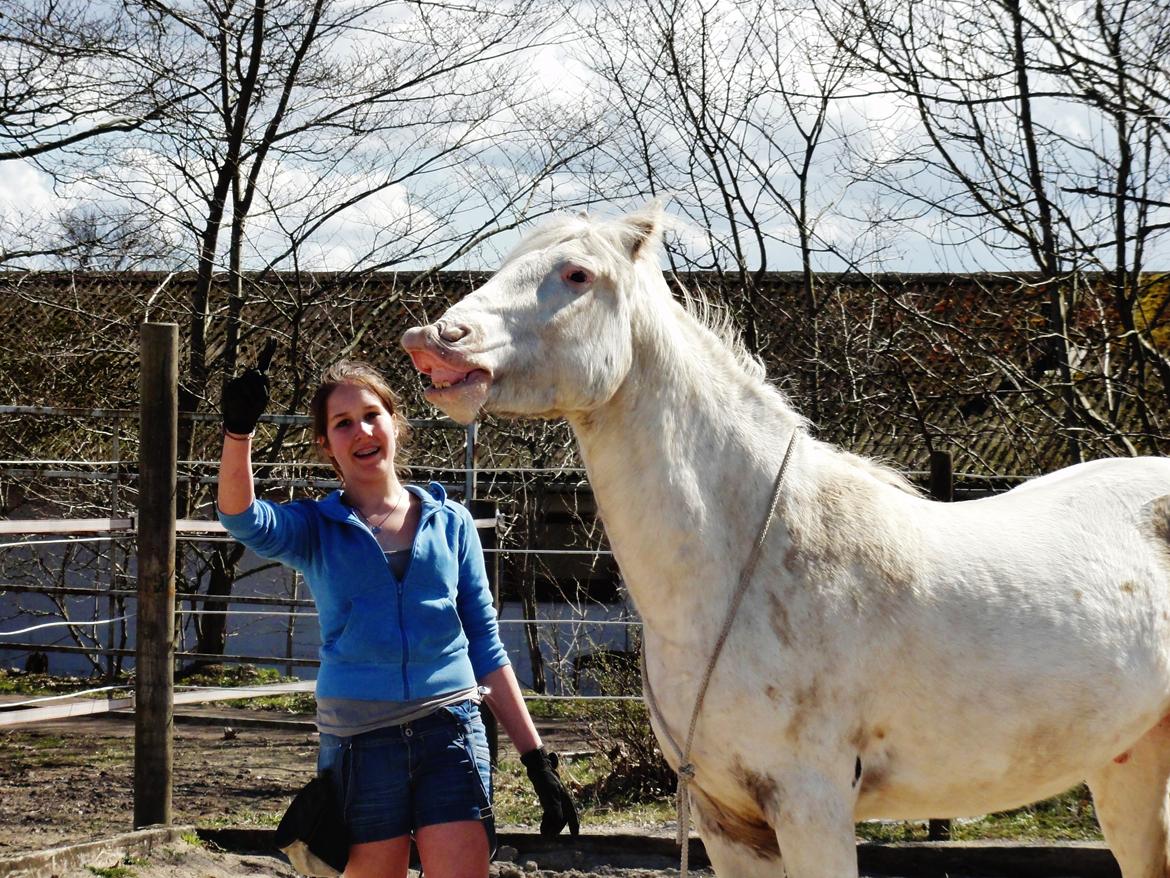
x,y
954,773
970,798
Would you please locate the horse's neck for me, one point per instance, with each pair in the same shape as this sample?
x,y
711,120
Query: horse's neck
x,y
682,461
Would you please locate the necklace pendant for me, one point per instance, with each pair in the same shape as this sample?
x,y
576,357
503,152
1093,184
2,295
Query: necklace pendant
x,y
375,530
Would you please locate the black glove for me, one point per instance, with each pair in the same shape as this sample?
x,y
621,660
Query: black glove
x,y
246,396
558,806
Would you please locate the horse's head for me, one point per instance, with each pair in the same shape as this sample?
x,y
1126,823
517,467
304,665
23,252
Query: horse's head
x,y
549,334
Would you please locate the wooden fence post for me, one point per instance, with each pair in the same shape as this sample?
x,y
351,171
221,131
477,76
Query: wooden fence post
x,y
942,476
942,487
154,671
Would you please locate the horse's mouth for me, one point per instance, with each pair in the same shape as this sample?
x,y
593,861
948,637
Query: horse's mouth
x,y
459,386
460,395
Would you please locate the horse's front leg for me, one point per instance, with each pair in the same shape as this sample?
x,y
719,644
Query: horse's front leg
x,y
813,817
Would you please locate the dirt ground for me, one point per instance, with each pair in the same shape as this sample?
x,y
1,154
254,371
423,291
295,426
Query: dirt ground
x,y
71,781
68,782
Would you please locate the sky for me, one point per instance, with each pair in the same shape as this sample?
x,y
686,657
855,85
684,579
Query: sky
x,y
855,210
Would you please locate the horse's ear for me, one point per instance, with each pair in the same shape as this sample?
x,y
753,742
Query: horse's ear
x,y
643,229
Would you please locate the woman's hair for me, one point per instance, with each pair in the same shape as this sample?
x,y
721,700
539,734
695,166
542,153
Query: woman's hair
x,y
359,374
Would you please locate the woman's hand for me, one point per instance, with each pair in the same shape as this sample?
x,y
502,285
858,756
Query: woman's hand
x,y
558,806
246,396
244,400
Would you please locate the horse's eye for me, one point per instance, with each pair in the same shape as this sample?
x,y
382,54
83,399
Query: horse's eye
x,y
576,276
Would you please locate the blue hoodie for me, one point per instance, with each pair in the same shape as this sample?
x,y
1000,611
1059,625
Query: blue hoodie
x,y
381,639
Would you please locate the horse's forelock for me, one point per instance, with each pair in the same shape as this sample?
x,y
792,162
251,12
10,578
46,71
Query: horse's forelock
x,y
612,245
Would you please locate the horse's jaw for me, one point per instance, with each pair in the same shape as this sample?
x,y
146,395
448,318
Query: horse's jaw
x,y
463,399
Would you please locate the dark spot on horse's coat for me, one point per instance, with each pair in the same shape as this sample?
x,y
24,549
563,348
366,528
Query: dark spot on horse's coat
x,y
1128,587
1158,525
1077,595
874,777
805,702
879,733
760,787
857,771
841,538
780,625
749,831
859,740
772,692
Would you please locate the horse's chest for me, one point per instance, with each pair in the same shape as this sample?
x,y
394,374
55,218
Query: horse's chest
x,y
741,712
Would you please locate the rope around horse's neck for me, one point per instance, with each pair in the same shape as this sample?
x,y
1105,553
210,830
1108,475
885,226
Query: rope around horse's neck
x,y
686,770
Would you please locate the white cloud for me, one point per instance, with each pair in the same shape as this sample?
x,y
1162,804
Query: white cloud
x,y
25,192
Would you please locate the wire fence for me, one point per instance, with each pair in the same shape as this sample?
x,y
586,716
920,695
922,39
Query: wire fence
x,y
67,578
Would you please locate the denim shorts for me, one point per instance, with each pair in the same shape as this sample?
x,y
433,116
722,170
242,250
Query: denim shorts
x,y
394,781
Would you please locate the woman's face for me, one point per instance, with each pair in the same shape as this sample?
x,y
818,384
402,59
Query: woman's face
x,y
359,434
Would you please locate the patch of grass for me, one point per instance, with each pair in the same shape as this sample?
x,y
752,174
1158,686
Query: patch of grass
x,y
515,802
192,838
118,871
22,750
244,817
16,682
46,742
1067,817
121,870
549,708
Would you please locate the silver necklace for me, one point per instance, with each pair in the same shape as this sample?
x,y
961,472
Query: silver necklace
x,y
376,529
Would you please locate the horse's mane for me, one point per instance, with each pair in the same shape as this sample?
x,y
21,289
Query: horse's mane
x,y
718,321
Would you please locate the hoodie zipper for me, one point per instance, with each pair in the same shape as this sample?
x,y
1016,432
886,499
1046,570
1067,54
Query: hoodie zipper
x,y
423,519
405,644
427,514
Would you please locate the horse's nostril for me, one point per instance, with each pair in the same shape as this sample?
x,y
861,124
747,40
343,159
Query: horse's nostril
x,y
452,334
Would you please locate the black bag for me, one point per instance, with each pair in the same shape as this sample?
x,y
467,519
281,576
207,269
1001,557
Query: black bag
x,y
312,833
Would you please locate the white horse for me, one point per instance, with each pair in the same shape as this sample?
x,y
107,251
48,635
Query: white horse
x,y
893,656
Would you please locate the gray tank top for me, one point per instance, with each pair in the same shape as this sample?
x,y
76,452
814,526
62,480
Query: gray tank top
x,y
346,717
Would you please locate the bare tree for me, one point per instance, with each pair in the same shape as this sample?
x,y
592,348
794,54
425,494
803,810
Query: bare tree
x,y
280,130
1018,146
70,72
730,110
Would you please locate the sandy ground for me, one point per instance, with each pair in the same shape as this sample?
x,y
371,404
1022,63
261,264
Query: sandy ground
x,y
183,859
66,783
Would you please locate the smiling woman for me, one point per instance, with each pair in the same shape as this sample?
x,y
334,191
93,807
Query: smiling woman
x,y
409,639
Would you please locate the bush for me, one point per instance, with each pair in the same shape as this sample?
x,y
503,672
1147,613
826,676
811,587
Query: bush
x,y
638,772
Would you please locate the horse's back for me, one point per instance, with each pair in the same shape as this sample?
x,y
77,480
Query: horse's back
x,y
1122,477
1125,500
